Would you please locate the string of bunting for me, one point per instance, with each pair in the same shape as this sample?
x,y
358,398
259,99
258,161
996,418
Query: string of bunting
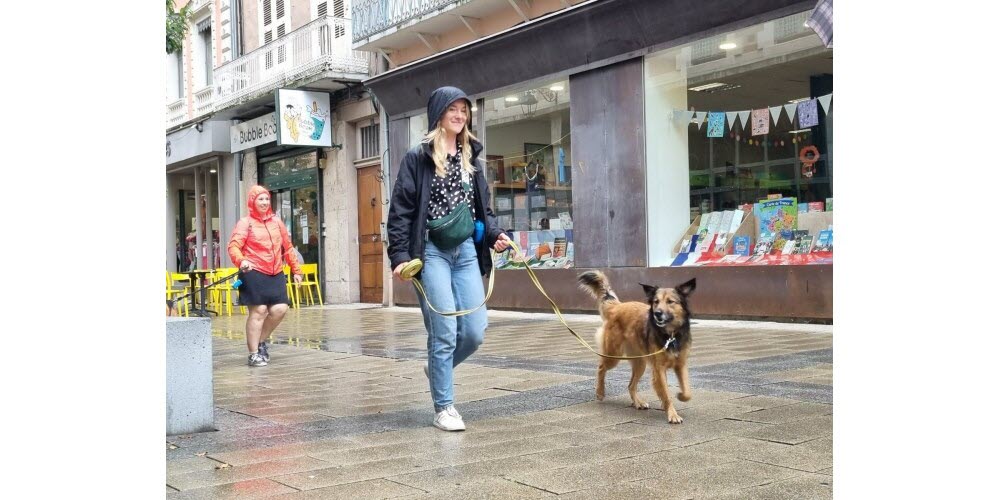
x,y
758,120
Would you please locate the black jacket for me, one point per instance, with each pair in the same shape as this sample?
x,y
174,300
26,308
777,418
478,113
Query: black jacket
x,y
411,196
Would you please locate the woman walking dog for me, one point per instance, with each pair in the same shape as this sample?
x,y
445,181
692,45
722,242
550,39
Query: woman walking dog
x,y
258,244
439,196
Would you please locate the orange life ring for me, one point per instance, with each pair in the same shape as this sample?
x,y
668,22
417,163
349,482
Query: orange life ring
x,y
809,155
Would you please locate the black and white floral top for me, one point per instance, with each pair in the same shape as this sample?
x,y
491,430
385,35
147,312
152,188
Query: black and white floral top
x,y
447,191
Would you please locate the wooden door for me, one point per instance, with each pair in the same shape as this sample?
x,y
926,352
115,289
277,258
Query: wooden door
x,y
370,234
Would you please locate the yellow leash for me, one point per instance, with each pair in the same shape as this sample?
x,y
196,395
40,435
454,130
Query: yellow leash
x,y
414,266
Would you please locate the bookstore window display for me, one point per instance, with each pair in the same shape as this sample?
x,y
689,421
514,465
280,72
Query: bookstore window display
x,y
756,104
528,167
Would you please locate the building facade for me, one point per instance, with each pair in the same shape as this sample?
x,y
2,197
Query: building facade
x,y
614,130
270,93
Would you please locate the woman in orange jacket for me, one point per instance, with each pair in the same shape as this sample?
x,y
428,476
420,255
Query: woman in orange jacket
x,y
258,244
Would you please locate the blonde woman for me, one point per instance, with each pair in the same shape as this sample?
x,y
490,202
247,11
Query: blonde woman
x,y
438,180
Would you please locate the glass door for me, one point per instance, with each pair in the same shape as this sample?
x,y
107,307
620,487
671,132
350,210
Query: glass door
x,y
298,208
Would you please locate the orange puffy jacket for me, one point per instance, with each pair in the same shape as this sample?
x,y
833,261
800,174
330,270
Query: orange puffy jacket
x,y
262,240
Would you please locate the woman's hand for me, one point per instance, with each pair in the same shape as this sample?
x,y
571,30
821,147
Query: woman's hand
x,y
297,278
399,269
246,265
503,241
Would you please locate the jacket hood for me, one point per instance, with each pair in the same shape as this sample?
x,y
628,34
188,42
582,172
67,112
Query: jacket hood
x,y
256,191
439,101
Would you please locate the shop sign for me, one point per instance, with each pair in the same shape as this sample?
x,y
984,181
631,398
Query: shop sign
x,y
304,118
252,133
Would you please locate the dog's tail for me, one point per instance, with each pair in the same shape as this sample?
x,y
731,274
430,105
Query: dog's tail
x,y
596,283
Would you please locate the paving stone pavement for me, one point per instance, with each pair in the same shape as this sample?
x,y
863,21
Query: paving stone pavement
x,y
343,411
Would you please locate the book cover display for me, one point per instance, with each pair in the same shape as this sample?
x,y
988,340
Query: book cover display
x,y
776,215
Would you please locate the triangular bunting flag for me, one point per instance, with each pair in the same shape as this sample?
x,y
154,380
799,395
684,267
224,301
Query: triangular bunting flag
x,y
825,102
679,116
700,118
775,113
790,111
745,118
731,116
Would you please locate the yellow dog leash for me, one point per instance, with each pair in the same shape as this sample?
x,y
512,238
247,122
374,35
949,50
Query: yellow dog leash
x,y
413,267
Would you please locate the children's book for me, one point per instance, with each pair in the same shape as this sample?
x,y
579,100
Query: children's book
x,y
803,208
804,244
714,222
781,237
776,215
764,244
703,224
789,247
705,245
824,241
693,244
737,220
817,206
741,245
727,221
829,204
720,244
679,260
685,245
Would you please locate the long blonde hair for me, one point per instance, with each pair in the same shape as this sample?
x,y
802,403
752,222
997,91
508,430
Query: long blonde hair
x,y
436,139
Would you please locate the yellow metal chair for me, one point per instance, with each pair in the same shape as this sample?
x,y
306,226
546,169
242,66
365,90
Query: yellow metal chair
x,y
293,296
222,293
183,306
310,280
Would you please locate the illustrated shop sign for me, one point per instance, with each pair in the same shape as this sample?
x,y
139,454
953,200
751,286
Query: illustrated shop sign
x,y
305,118
260,130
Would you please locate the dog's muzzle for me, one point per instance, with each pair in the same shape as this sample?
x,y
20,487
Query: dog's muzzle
x,y
660,318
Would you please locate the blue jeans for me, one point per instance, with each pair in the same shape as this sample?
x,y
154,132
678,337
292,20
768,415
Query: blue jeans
x,y
452,281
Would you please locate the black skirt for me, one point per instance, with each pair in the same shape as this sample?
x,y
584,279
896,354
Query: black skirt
x,y
259,289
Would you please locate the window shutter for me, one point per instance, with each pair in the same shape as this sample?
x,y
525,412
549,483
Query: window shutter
x,y
279,9
321,10
267,12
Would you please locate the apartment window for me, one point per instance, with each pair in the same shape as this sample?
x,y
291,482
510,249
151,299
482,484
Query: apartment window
x,y
279,9
369,141
180,73
205,33
338,12
267,12
281,48
321,9
269,56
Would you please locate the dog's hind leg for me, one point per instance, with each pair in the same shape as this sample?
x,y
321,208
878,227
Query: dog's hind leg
x,y
605,365
638,369
660,385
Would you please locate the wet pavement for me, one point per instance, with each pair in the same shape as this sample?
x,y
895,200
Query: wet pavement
x,y
343,411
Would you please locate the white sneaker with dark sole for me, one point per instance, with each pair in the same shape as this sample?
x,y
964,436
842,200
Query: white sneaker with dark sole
x,y
255,359
449,420
262,350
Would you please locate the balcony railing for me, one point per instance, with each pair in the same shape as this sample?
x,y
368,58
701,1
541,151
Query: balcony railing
x,y
373,16
176,111
322,45
203,101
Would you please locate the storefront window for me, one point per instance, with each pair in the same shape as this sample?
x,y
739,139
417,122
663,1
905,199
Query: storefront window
x,y
750,117
528,158
294,182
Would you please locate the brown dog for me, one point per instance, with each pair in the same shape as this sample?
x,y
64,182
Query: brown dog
x,y
636,328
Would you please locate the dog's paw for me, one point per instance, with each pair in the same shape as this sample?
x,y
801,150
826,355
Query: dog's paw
x,y
684,397
673,417
640,405
600,394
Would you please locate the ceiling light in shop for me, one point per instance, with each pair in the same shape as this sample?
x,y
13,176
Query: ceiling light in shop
x,y
801,99
211,171
475,108
511,98
556,88
708,86
728,46
799,131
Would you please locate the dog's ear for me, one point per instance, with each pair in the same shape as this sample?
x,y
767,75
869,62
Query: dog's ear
x,y
685,288
650,290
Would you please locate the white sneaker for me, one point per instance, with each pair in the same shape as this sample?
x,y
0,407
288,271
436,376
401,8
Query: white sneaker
x,y
449,420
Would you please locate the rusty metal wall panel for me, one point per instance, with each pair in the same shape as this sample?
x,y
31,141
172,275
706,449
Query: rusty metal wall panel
x,y
609,180
590,175
789,292
626,164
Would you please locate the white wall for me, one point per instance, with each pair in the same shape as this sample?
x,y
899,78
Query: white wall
x,y
667,171
509,139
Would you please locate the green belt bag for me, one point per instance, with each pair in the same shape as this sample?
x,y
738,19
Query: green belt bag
x,y
451,230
